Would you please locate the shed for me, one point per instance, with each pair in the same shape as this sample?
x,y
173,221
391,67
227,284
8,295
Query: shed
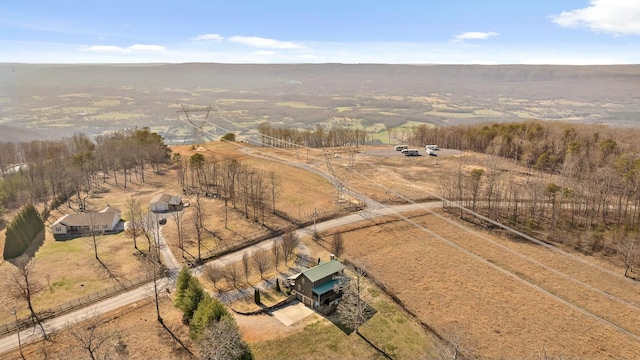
x,y
165,203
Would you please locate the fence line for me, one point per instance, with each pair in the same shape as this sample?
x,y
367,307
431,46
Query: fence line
x,y
26,322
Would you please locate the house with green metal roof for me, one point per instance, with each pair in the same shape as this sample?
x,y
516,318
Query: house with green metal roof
x,y
316,287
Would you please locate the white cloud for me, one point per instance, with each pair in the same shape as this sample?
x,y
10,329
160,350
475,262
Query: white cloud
x,y
474,35
207,37
265,43
618,17
112,49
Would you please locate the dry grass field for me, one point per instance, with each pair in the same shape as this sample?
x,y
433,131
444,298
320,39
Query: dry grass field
x,y
136,324
508,299
499,297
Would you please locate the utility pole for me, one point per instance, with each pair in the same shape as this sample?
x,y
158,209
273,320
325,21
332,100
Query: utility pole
x,y
314,220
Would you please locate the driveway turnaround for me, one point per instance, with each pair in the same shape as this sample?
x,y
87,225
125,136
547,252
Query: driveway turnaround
x,y
292,313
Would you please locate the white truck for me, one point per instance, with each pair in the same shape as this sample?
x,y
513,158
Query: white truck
x,y
431,147
431,152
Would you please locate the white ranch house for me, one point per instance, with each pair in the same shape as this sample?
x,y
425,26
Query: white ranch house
x,y
74,225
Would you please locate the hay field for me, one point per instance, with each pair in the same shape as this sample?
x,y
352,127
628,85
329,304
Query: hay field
x,y
509,299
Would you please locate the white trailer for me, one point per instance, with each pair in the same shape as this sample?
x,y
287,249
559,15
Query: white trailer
x,y
400,147
431,147
411,152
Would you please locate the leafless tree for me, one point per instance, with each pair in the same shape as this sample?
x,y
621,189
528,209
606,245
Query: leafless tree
x,y
274,186
232,274
94,233
276,251
261,259
221,340
177,218
198,223
290,242
455,345
337,244
474,182
156,271
213,273
97,341
629,249
246,266
134,213
352,310
23,286
149,226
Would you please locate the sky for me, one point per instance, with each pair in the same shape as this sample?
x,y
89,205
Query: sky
x,y
321,31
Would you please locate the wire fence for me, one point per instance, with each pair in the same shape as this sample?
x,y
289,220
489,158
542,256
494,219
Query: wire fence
x,y
255,238
27,322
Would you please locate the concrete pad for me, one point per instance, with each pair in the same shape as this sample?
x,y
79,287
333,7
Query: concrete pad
x,y
292,313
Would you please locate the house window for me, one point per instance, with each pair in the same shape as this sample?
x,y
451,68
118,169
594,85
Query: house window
x,y
303,280
58,228
298,286
104,226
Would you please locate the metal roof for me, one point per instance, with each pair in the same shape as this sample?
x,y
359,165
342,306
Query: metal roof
x,y
166,198
325,288
85,219
323,270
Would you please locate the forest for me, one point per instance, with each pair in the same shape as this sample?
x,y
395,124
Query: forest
x,y
580,187
50,172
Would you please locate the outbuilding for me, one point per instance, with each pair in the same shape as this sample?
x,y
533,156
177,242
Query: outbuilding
x,y
165,203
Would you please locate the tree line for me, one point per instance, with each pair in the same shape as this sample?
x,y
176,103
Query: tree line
x,y
580,185
51,171
250,190
317,137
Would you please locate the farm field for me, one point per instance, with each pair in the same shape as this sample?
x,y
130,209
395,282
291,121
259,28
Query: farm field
x,y
498,298
507,299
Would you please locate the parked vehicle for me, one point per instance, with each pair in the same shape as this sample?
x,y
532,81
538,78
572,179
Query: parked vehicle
x,y
400,147
432,147
431,152
411,152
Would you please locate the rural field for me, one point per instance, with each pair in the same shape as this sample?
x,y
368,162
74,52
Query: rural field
x,y
431,275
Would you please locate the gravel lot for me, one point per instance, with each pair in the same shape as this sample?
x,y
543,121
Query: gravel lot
x,y
389,151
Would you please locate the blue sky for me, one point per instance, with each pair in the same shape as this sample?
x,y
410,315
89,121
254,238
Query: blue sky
x,y
300,31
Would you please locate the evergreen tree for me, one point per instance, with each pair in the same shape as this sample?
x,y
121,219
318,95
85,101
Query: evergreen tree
x,y
278,285
192,297
182,283
256,296
208,310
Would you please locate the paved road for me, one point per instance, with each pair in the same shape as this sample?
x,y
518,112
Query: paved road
x,y
11,342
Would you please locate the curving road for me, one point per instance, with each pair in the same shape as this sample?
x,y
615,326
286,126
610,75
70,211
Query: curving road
x,y
10,342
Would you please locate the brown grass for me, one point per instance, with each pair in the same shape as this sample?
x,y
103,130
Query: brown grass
x,y
502,316
136,325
